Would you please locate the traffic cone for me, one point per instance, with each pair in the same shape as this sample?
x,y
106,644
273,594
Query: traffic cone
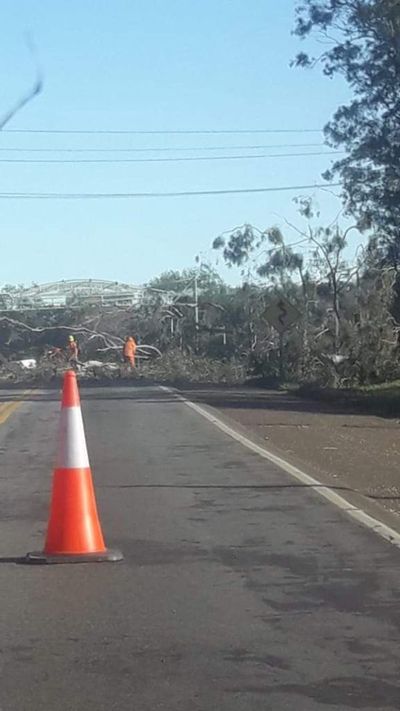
x,y
74,533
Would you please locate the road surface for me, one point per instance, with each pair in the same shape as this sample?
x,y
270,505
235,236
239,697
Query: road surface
x,y
338,442
241,589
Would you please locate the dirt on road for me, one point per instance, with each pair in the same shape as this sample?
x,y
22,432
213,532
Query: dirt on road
x,y
355,453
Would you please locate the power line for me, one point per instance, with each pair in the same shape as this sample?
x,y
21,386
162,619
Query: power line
x,y
186,193
162,149
167,132
75,161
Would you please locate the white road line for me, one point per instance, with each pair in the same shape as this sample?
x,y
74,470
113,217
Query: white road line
x,y
389,534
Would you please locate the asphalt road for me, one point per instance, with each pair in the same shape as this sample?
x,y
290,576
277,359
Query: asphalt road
x,y
240,589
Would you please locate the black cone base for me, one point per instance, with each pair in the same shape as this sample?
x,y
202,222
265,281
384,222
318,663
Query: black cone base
x,y
41,558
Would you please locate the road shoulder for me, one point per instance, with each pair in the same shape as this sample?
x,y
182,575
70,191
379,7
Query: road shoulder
x,y
354,455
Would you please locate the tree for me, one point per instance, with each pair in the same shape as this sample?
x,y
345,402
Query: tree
x,y
181,282
312,272
363,45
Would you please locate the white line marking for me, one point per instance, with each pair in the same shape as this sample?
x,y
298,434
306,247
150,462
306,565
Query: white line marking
x,y
389,534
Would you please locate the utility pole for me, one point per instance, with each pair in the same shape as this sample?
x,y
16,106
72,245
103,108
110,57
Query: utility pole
x,y
196,302
281,358
196,311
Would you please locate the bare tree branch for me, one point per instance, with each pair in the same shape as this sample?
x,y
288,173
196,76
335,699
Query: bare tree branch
x,y
108,339
30,95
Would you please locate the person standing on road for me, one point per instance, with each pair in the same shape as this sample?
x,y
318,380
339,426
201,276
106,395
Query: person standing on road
x,y
73,351
129,351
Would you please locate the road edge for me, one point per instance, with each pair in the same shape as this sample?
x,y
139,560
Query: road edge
x,y
354,512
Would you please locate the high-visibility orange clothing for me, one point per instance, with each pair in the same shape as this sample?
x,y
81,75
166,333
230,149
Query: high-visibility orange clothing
x,y
130,347
130,350
73,350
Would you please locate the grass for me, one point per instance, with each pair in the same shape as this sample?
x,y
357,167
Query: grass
x,y
382,388
382,399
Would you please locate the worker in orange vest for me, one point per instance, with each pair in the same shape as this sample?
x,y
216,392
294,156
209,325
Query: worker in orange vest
x,y
129,351
73,351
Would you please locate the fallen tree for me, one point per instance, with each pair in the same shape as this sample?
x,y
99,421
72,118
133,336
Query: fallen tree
x,y
33,344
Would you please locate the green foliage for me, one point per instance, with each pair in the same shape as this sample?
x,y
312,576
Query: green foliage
x,y
208,280
362,40
180,368
347,334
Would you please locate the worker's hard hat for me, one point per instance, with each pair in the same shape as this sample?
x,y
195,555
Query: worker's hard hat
x,y
71,338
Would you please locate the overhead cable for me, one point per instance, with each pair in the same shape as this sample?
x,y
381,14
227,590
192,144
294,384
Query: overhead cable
x,y
167,160
185,193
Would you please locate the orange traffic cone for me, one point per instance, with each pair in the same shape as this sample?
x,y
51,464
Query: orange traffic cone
x,y
74,533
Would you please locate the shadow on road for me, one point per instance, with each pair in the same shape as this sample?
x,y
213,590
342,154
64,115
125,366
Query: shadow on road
x,y
137,393
218,396
248,399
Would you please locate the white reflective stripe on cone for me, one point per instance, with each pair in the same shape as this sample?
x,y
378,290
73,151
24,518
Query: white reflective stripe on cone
x,y
72,451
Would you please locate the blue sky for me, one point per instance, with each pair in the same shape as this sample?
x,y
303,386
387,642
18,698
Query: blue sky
x,y
151,65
